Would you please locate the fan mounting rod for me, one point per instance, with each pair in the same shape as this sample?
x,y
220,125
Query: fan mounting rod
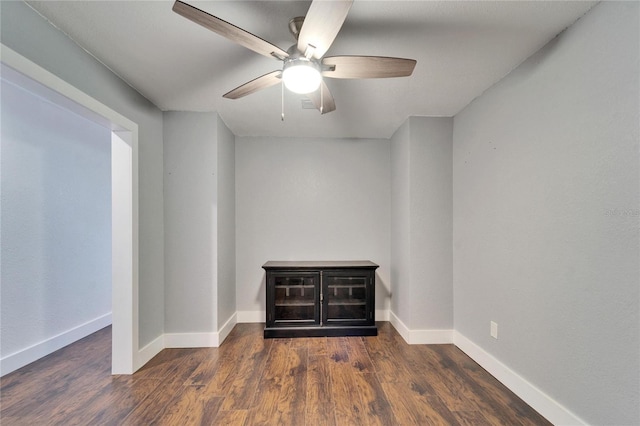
x,y
295,25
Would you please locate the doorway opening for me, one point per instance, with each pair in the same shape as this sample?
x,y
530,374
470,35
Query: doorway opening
x,y
124,199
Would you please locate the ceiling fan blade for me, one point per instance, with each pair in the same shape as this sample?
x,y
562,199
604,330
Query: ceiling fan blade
x,y
367,67
227,30
323,101
262,82
321,25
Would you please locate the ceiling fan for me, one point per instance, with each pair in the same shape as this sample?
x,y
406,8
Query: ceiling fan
x,y
304,63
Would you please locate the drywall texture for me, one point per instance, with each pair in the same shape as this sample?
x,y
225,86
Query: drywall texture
x,y
190,183
29,34
310,199
546,217
421,218
56,220
226,190
431,211
400,220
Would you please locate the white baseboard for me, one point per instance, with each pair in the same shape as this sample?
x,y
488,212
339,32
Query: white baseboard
x,y
224,331
431,337
184,340
149,351
402,329
251,316
538,400
33,353
190,340
420,337
200,340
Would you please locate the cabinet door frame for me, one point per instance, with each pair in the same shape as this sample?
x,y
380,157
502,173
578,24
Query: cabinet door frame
x,y
368,275
271,320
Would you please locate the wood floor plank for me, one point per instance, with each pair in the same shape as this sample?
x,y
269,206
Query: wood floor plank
x,y
266,401
231,418
50,394
301,342
153,406
245,384
317,346
205,372
252,381
118,400
231,348
337,351
411,408
377,408
293,390
319,405
156,403
225,374
471,418
190,406
348,405
358,355
433,379
387,366
71,411
56,369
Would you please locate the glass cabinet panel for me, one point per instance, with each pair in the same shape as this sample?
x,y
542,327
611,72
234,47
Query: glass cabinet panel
x,y
296,298
346,297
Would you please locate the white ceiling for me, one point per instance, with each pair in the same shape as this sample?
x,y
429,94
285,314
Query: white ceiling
x,y
462,48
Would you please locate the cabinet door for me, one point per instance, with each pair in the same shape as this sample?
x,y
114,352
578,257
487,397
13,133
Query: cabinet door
x,y
294,299
347,297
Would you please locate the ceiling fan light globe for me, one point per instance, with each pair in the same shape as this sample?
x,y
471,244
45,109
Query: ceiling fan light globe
x,y
301,76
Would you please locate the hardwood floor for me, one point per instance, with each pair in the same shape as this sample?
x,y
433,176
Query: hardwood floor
x,y
249,380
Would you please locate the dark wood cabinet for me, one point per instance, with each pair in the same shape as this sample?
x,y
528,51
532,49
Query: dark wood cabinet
x,y
320,298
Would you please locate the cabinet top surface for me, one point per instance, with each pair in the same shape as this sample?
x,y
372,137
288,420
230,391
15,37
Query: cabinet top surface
x,y
319,264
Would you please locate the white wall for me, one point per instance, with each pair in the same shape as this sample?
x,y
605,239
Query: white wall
x,y
421,212
400,220
30,35
226,224
546,218
309,199
56,223
199,182
190,183
431,223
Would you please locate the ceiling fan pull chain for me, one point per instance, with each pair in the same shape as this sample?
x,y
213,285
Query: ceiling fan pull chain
x,y
321,99
282,100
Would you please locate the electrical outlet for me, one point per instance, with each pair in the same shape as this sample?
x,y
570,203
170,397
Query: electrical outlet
x,y
494,330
